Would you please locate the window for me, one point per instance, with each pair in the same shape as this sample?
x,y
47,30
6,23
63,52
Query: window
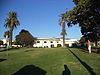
x,y
51,41
45,42
38,41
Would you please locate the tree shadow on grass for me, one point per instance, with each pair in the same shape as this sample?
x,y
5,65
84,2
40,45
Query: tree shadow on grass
x,y
2,50
89,69
30,70
2,59
29,50
66,71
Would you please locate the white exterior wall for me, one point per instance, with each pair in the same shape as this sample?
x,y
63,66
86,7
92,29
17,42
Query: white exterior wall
x,y
4,41
55,42
70,42
48,44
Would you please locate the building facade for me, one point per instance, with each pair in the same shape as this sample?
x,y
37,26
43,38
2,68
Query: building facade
x,y
47,42
52,42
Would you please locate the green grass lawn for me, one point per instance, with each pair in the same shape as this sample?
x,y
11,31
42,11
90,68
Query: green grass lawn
x,y
45,61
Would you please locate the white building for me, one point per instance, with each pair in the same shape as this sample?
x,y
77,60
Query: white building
x,y
47,42
53,42
6,41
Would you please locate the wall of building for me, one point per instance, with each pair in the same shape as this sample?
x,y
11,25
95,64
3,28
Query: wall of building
x,y
53,42
48,42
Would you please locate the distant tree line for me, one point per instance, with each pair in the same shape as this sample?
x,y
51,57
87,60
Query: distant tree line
x,y
25,39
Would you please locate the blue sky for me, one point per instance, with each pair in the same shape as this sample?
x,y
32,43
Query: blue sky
x,y
39,17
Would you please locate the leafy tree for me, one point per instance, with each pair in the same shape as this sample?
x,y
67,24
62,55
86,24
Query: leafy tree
x,y
25,39
1,42
58,45
92,37
62,23
86,13
83,39
11,22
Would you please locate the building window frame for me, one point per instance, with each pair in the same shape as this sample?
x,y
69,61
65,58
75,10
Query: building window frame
x,y
38,41
45,41
51,41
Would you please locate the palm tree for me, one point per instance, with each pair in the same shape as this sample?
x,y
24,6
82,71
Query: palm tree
x,y
7,35
11,22
63,24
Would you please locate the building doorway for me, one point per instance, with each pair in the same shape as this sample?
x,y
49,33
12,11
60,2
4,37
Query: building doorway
x,y
52,46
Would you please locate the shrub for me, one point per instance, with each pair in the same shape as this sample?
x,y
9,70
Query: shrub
x,y
74,45
67,45
58,45
1,42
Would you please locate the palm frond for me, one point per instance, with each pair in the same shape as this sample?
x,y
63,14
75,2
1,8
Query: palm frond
x,y
12,14
62,22
63,32
7,22
12,21
7,33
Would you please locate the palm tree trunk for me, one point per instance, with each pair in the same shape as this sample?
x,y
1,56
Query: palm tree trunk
x,y
11,33
63,40
10,40
7,41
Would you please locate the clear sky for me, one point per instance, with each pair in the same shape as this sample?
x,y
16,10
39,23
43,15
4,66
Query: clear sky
x,y
39,17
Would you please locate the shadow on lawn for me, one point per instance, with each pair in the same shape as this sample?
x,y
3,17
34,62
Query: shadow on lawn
x,y
30,70
66,71
2,60
89,69
2,50
29,50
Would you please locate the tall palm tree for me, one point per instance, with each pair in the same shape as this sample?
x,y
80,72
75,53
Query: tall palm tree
x,y
11,22
63,24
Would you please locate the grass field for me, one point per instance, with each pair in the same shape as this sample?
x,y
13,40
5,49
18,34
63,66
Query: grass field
x,y
45,61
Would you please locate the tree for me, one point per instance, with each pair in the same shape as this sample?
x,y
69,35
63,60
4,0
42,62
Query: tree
x,y
25,39
11,22
1,42
7,35
92,37
86,13
62,23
